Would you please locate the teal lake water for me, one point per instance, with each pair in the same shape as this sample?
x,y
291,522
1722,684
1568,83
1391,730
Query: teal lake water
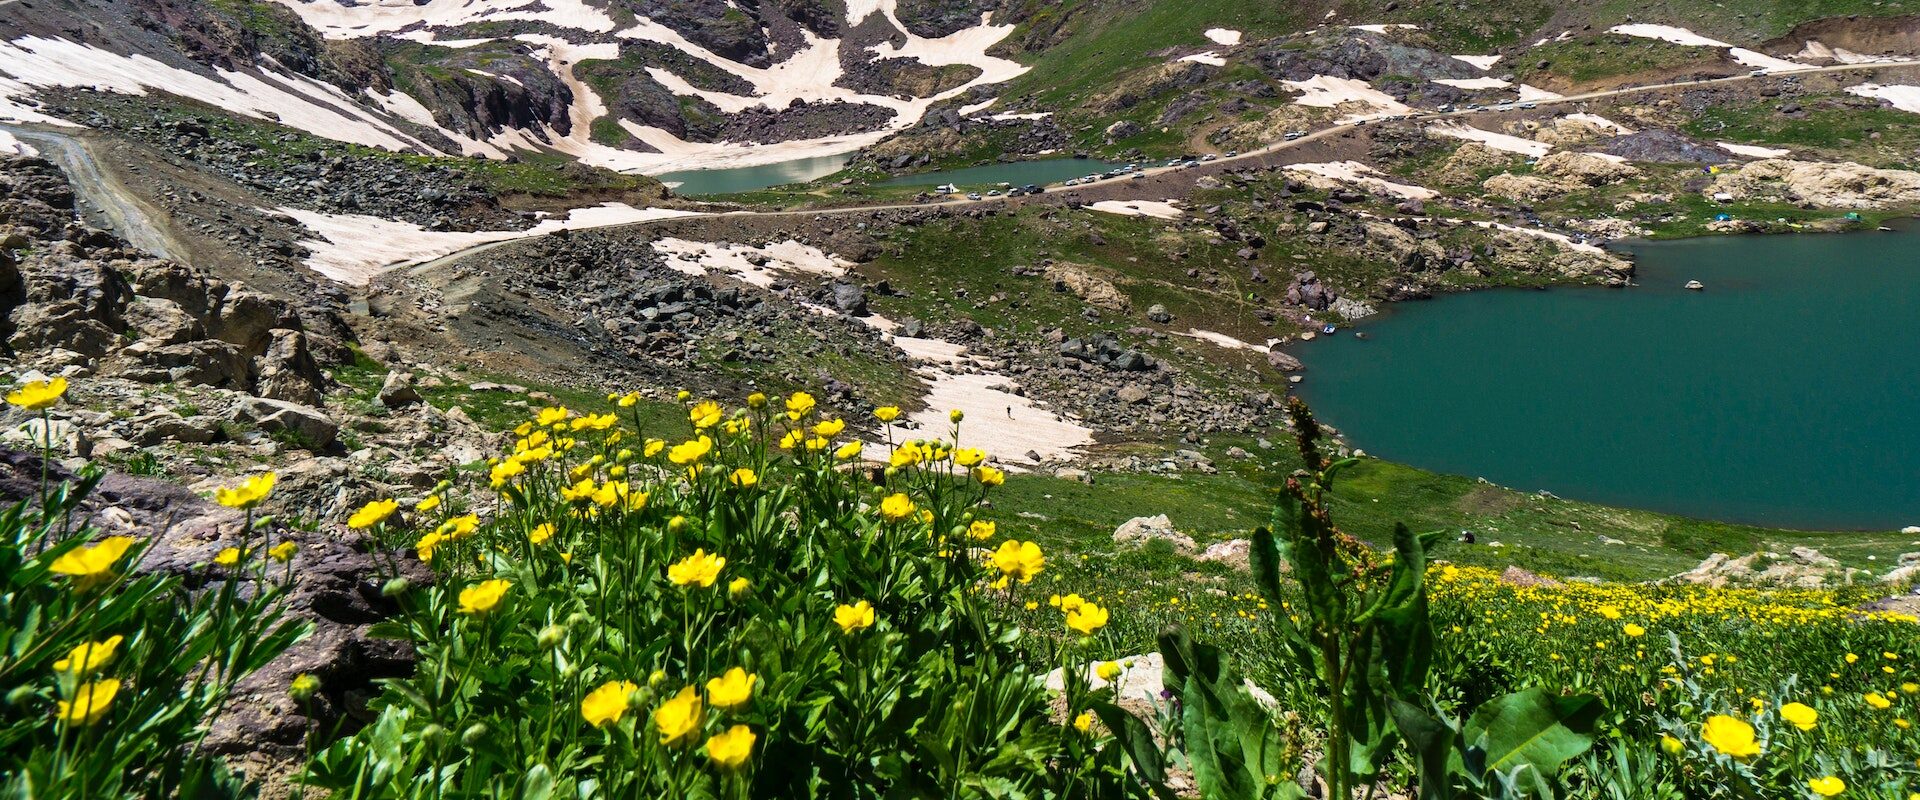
x,y
747,179
1786,394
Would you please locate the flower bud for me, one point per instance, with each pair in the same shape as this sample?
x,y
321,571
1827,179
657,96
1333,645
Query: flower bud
x,y
956,415
20,696
433,732
552,635
474,734
656,678
395,588
577,619
302,687
677,524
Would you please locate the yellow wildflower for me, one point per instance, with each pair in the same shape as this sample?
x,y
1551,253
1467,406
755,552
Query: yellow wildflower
x,y
1827,786
896,507
799,405
969,457
1800,715
1730,735
38,395
679,716
989,476
429,503
282,552
1107,670
1083,722
552,415
229,556
690,451
1087,618
250,493
850,618
88,658
90,702
1634,630
830,428
92,562
1878,700
738,586
607,703
849,451
541,533
732,689
886,413
484,596
732,747
700,568
373,514
743,478
705,414
1020,560
981,529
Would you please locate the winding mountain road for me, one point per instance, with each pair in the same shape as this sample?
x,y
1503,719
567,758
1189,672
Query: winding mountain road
x,y
111,203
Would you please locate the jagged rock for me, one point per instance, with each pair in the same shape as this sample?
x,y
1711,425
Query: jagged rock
x,y
163,321
288,370
163,426
1133,393
1236,553
1142,530
1906,573
1097,292
248,319
1158,313
1284,361
205,362
64,324
1802,567
310,425
1831,185
1122,129
850,299
397,390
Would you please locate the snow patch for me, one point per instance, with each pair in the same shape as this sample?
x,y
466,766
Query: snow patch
x,y
354,248
1529,94
1208,58
1360,174
1008,116
1601,122
1227,37
758,266
1326,91
337,19
10,146
1752,151
1384,28
1759,60
1497,141
1158,209
1483,62
295,100
1563,239
1224,340
1902,96
1473,83
1666,33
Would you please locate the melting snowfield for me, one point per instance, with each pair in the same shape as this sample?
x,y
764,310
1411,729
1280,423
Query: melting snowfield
x,y
1497,141
1358,174
1223,36
11,146
1903,97
1326,91
1754,151
1158,209
355,248
749,264
1687,38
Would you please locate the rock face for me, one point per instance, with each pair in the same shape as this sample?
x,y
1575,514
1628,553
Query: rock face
x,y
1097,292
1665,147
1830,185
1802,567
1141,531
1584,168
80,298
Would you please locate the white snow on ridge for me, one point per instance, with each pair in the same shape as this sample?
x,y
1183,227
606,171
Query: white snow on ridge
x,y
1901,96
1158,209
1385,28
1223,36
1008,116
1668,34
1473,83
1759,60
1208,58
749,264
1530,94
1359,174
1483,62
1497,141
354,248
1562,238
1326,91
1752,151
1601,122
295,100
10,146
336,19
1814,50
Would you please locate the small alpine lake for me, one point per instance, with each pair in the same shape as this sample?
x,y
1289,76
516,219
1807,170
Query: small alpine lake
x,y
1786,394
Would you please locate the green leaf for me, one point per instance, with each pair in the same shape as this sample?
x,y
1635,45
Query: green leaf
x,y
1533,728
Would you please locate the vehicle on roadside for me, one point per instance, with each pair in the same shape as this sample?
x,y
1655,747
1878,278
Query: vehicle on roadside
x,y
973,195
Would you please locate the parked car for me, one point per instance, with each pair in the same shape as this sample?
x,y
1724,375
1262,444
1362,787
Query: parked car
x,y
973,195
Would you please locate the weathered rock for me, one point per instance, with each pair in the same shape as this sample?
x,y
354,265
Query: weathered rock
x,y
1140,531
1284,361
397,390
311,426
288,370
1236,553
1097,292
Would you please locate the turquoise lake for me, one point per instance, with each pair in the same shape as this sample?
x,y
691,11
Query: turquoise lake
x,y
1785,394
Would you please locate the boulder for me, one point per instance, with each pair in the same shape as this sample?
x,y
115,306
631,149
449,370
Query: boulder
x,y
1097,292
206,362
397,390
163,321
288,370
1141,530
1284,361
64,324
1139,685
311,426
1236,553
248,319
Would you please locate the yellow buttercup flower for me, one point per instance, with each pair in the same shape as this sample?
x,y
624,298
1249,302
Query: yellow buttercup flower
x,y
373,514
250,493
738,586
550,416
429,503
732,689
856,617
1065,604
743,478
679,716
705,414
886,413
981,529
1878,700
652,448
282,552
1083,722
1634,630
93,562
627,400
428,544
1827,786
1019,560
1107,670
1800,715
756,400
849,451
732,747
989,476
1087,618
896,507
1731,736
541,533
956,415
690,451
38,395
969,457
799,405
459,527
1671,746
89,703
700,568
830,428
88,658
484,596
229,556
608,703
